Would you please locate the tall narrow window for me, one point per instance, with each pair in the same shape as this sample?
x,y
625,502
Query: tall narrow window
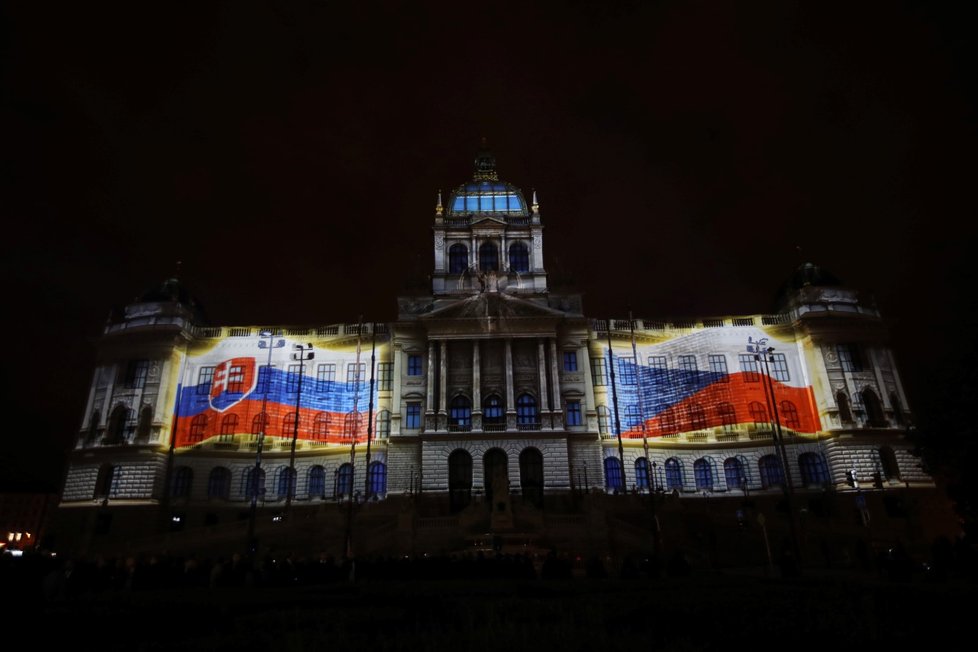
x,y
531,476
727,416
632,417
748,367
325,377
412,416
383,424
289,423
674,474
204,379
292,380
703,472
254,483
229,426
119,425
778,364
219,483
845,412
414,365
264,385
612,474
733,473
459,479
236,378
344,480
259,426
626,371
660,369
641,473
353,425
356,373
574,417
488,257
687,365
758,414
697,416
770,468
460,413
814,471
519,258
570,360
183,478
320,426
385,376
317,482
526,411
850,357
602,420
458,258
492,413
198,426
874,409
718,368
599,372
285,484
136,372
377,479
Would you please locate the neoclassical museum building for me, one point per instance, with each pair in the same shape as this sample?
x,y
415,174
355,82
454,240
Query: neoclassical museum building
x,y
492,405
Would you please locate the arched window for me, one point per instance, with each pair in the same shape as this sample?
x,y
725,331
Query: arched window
x,y
145,424
219,483
602,420
107,481
377,479
229,426
703,472
488,257
814,471
888,463
459,479
845,413
641,473
770,469
460,413
758,414
289,423
493,417
259,425
285,482
526,412
898,415
733,473
789,415
874,410
344,480
320,426
317,482
183,477
531,476
458,258
697,416
727,416
384,424
198,426
353,425
254,483
674,474
117,424
519,257
612,474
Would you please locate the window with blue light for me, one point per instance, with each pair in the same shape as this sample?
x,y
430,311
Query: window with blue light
x,y
626,371
344,479
264,378
632,416
492,410
519,257
285,485
703,472
412,416
674,474
641,473
687,365
377,479
317,482
718,367
292,382
414,365
204,379
526,410
460,412
660,369
613,479
814,470
325,377
254,483
570,360
733,473
574,417
770,470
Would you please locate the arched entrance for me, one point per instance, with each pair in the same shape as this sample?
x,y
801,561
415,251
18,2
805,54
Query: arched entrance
x,y
496,478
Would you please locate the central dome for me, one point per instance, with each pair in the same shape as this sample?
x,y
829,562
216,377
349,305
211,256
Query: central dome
x,y
485,193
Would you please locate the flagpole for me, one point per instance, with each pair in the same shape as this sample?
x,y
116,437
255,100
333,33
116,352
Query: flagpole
x,y
370,408
614,398
353,441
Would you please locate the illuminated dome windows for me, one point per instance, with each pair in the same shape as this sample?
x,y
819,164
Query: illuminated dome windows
x,y
496,197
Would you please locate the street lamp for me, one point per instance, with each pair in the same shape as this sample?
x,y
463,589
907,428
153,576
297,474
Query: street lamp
x,y
763,353
271,344
301,353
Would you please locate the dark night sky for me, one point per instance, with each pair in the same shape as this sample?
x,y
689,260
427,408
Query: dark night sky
x,y
290,156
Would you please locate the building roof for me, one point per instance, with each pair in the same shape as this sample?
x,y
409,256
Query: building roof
x,y
485,193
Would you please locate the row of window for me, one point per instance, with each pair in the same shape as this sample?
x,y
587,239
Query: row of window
x,y
688,372
322,426
493,412
495,469
814,471
867,403
519,258
696,417
253,482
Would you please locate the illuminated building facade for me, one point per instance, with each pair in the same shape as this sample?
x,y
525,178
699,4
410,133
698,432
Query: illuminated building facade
x,y
489,391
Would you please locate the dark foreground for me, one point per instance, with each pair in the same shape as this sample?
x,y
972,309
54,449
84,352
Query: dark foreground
x,y
508,606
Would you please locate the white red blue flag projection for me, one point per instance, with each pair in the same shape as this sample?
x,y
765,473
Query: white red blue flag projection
x,y
222,393
707,379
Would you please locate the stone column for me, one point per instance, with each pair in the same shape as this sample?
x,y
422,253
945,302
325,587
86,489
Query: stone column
x,y
544,398
443,378
476,388
555,385
584,366
430,380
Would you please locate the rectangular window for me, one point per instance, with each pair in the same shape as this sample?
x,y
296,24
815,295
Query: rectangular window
x,y
136,372
570,360
687,364
660,369
356,372
599,372
626,371
574,413
748,367
412,417
384,376
292,384
204,379
264,378
779,367
325,377
850,357
718,367
236,377
414,365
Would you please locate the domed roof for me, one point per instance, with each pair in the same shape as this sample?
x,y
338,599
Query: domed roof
x,y
807,275
485,193
173,291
